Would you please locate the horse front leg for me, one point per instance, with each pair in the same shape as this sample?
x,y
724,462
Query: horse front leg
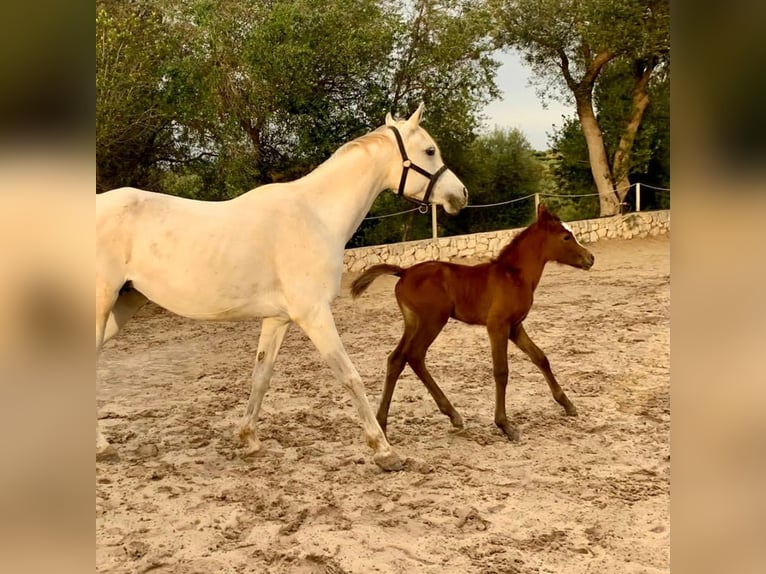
x,y
521,339
319,326
273,332
499,342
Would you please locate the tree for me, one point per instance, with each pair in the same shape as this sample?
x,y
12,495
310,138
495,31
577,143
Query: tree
x,y
134,117
569,44
219,96
650,156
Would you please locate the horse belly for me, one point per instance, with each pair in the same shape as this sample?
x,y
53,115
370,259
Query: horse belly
x,y
211,304
208,279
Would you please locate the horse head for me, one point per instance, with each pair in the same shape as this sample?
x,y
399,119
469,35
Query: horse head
x,y
560,243
432,183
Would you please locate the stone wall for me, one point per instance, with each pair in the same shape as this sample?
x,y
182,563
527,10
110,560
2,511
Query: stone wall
x,y
486,245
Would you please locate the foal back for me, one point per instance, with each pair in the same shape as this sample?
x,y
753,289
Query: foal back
x,y
469,293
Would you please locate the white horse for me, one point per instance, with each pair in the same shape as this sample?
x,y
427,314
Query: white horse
x,y
275,252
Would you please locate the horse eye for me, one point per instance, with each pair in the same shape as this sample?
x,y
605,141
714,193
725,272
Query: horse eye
x,y
430,151
567,237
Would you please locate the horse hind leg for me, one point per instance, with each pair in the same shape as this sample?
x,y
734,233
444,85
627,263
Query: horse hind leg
x,y
272,334
521,339
128,303
427,332
106,298
109,320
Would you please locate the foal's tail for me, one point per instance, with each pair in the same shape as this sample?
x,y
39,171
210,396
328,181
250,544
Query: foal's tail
x,y
361,283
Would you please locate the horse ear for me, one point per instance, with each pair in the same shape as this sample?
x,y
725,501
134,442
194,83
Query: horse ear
x,y
417,116
542,211
390,119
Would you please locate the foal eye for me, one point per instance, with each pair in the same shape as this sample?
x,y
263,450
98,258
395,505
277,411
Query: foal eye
x,y
430,151
567,237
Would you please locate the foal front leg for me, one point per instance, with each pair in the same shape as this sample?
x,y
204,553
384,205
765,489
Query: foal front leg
x,y
273,332
498,339
521,339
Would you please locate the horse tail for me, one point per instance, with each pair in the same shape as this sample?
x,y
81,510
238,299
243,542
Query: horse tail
x,y
361,283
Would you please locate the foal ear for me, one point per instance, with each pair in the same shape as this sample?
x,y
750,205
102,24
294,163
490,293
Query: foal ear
x,y
542,212
390,119
417,116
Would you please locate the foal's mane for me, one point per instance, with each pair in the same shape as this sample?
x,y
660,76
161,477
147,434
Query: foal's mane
x,y
508,250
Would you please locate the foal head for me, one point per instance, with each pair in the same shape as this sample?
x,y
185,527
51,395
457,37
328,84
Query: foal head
x,y
419,172
560,243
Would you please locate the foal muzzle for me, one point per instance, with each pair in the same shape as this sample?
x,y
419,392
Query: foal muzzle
x,y
408,165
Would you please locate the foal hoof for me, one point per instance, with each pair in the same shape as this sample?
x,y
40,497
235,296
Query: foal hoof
x,y
510,431
389,462
570,410
457,421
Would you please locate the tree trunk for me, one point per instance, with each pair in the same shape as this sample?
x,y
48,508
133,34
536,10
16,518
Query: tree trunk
x,y
599,164
640,101
583,93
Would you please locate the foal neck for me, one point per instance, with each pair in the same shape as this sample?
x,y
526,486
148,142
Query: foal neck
x,y
525,256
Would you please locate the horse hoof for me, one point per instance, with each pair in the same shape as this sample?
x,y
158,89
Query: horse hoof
x,y
570,410
511,432
107,453
389,462
457,421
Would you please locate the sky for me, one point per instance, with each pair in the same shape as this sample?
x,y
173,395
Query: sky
x,y
519,106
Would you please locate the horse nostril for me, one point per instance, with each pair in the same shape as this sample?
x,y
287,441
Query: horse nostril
x,y
465,193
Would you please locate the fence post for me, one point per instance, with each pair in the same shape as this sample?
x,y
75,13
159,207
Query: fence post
x,y
433,222
537,203
638,196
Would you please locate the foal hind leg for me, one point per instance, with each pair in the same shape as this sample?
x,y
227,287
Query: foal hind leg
x,y
272,334
428,329
521,339
320,328
396,363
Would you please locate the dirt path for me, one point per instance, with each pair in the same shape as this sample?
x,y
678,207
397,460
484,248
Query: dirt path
x,y
575,495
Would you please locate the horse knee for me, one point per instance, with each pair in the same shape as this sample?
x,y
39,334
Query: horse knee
x,y
353,384
500,373
397,359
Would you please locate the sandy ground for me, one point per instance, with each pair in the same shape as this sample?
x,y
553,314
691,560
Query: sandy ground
x,y
575,495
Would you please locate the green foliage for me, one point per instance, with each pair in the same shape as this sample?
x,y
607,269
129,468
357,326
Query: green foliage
x,y
134,110
244,92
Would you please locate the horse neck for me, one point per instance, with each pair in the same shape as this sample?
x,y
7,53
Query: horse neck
x,y
525,255
343,189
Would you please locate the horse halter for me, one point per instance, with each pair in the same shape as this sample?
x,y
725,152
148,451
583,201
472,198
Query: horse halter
x,y
407,164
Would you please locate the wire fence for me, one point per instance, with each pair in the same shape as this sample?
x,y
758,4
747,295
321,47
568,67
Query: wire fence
x,y
643,194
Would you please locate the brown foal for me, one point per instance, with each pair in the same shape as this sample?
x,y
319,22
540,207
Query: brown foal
x,y
497,294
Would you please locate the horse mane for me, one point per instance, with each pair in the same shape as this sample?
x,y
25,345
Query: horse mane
x,y
362,142
368,139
